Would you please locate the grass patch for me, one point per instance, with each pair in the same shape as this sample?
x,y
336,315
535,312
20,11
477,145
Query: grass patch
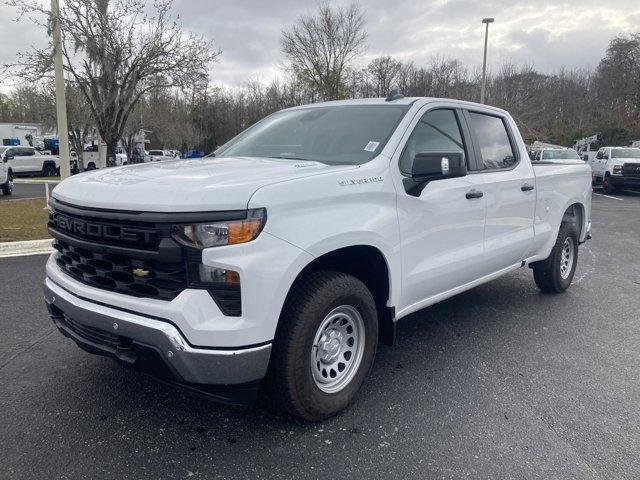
x,y
23,220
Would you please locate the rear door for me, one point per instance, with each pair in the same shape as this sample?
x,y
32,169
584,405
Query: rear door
x,y
508,183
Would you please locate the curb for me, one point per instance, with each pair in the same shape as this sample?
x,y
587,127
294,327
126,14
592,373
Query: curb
x,y
29,247
34,182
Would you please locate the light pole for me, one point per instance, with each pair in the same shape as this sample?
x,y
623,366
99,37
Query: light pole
x,y
486,21
61,104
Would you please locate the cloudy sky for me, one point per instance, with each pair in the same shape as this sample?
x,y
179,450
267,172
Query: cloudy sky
x,y
543,33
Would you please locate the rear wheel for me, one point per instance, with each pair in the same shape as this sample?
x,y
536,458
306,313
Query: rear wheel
x,y
48,170
325,345
7,187
554,275
91,166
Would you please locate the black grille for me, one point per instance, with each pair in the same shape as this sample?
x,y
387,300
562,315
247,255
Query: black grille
x,y
112,342
122,273
121,233
631,170
121,252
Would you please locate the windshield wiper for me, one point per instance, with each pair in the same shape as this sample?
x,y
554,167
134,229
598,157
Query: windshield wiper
x,y
291,158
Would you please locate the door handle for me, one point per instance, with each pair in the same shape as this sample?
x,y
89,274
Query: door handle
x,y
526,187
474,194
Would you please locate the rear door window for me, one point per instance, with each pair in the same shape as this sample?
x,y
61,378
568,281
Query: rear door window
x,y
493,139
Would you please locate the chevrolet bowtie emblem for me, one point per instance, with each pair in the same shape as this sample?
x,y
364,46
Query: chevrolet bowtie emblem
x,y
140,272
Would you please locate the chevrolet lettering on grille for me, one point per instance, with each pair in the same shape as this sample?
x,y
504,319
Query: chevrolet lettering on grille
x,y
98,231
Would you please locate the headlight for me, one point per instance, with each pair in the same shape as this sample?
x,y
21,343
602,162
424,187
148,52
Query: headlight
x,y
617,169
216,234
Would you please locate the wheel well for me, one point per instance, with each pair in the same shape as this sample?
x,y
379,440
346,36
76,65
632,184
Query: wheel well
x,y
575,215
367,264
48,163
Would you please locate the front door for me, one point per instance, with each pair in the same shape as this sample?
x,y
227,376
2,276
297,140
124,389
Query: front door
x,y
442,226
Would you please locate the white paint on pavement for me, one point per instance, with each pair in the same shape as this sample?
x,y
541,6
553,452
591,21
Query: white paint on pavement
x,y
29,247
609,196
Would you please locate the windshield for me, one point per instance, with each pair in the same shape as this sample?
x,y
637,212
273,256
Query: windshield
x,y
345,134
625,153
3,149
560,155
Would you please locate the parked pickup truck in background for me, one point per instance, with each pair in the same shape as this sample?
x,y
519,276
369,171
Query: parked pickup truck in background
x,y
6,177
27,160
283,260
616,168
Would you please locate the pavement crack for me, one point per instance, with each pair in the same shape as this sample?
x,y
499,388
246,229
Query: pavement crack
x,y
34,343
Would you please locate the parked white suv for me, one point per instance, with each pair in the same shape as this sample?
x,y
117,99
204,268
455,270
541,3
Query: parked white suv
x,y
285,258
616,168
27,160
6,175
554,155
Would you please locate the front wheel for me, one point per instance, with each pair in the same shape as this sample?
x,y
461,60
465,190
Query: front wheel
x,y
7,187
608,186
554,275
325,345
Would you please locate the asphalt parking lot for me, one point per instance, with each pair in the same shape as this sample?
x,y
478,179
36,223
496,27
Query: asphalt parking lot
x,y
26,190
499,382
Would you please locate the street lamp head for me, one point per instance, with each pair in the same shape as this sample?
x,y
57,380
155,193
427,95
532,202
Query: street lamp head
x,y
488,20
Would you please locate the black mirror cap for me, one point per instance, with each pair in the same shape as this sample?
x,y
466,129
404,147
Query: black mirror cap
x,y
438,165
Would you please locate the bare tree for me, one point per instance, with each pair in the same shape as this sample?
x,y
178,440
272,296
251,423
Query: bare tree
x,y
115,52
320,47
382,72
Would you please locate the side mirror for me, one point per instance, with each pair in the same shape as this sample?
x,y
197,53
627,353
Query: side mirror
x,y
7,158
438,166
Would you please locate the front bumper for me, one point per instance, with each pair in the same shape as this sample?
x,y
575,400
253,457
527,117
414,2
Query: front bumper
x,y
154,345
625,182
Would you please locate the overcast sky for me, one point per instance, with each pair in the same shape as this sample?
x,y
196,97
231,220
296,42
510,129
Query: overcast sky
x,y
545,34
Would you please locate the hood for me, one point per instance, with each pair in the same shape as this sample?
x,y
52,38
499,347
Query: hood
x,y
200,184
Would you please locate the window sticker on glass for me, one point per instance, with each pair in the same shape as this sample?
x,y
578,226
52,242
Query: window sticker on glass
x,y
371,146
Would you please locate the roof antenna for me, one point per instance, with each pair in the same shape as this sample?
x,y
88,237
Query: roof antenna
x,y
394,95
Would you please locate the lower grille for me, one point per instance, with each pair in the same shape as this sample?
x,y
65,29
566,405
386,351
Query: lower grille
x,y
121,273
112,342
631,170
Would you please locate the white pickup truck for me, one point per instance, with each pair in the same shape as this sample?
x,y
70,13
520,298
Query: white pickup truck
x,y
27,160
616,168
286,256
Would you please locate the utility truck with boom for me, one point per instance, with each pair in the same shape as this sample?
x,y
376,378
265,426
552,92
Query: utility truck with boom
x,y
281,260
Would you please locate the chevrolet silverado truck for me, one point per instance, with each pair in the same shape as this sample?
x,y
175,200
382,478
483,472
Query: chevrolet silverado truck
x,y
282,259
27,160
616,168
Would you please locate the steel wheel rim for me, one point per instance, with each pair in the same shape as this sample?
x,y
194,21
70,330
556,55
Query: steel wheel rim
x,y
337,349
566,258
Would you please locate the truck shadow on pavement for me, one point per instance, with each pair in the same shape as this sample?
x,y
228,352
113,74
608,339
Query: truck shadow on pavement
x,y
432,344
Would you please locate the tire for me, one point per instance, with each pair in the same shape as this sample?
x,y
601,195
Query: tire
x,y
91,166
48,170
554,275
7,187
301,378
608,186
